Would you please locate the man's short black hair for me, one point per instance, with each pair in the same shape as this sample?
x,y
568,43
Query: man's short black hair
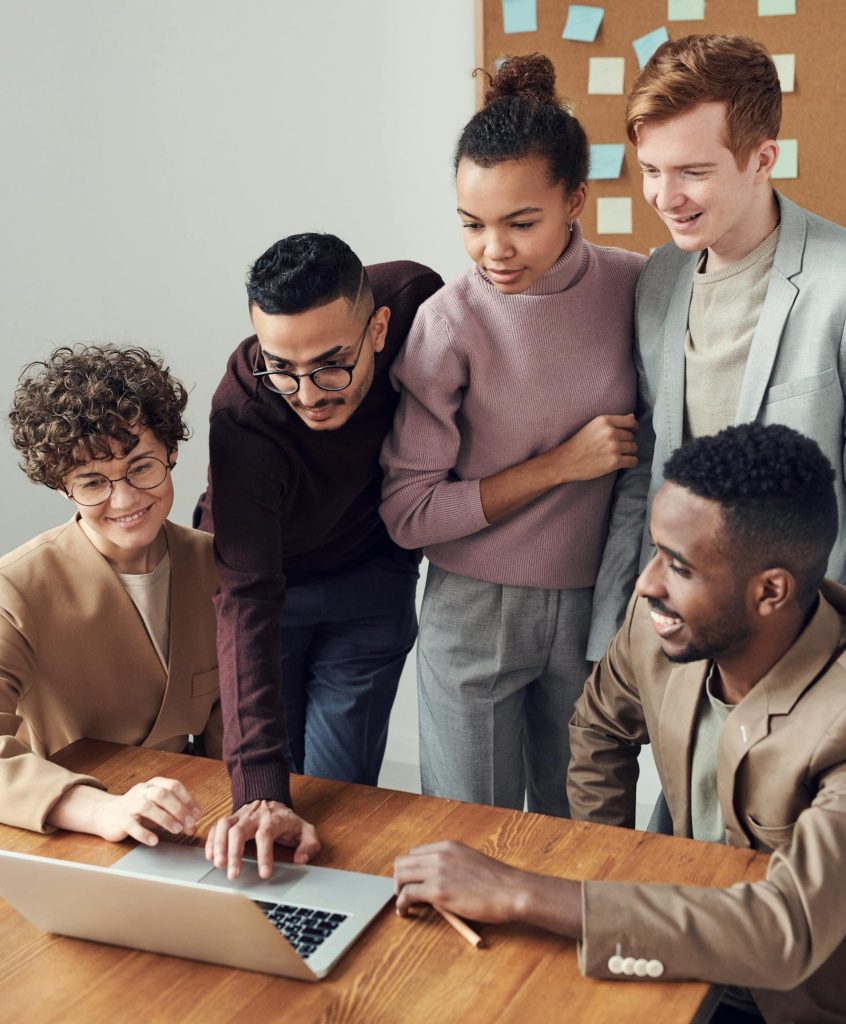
x,y
776,489
304,271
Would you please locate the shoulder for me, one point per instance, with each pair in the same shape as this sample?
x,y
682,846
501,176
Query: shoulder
x,y
31,556
402,283
196,543
617,261
237,387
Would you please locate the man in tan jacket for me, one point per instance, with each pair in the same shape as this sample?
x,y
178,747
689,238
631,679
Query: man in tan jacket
x,y
731,664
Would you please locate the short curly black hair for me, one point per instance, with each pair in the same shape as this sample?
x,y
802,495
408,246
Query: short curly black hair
x,y
776,490
69,407
302,272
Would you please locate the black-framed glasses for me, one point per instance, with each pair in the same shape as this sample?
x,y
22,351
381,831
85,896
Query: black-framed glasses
x,y
327,378
143,475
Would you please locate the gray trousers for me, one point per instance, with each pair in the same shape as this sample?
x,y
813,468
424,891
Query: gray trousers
x,y
499,669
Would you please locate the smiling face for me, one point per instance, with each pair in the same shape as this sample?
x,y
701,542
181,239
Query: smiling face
x,y
127,528
697,599
516,223
692,180
329,335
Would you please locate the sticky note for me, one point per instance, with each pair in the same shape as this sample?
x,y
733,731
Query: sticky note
x,y
519,15
786,67
685,10
582,23
606,160
605,76
614,216
646,45
768,8
787,165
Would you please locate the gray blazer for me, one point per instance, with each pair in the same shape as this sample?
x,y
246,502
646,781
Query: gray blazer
x,y
795,374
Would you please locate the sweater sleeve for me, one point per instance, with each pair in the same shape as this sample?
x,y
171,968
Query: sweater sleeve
x,y
247,487
29,785
424,501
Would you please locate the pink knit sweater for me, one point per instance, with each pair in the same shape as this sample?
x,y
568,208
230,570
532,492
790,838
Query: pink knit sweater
x,y
489,380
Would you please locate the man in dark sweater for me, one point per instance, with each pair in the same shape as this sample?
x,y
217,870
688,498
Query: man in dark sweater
x,y
315,608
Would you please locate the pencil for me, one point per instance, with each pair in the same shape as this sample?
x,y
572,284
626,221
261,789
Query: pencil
x,y
463,929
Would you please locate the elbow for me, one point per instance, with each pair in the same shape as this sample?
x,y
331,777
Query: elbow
x,y
400,525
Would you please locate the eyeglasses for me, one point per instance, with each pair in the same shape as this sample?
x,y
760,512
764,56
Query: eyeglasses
x,y
144,475
327,378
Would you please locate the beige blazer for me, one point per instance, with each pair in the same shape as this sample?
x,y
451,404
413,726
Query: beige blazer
x,y
76,661
781,781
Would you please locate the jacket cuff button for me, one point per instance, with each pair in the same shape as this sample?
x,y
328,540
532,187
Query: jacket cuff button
x,y
654,969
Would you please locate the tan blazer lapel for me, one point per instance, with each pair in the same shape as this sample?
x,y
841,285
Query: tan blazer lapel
x,y
781,294
675,734
675,332
775,694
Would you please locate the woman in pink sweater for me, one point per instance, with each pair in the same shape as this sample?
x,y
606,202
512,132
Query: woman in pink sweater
x,y
518,391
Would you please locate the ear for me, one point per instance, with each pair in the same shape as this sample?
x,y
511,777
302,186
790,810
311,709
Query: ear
x,y
576,201
763,159
773,590
379,328
172,456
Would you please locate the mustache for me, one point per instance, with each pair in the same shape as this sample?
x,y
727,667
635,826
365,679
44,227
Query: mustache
x,y
659,606
322,404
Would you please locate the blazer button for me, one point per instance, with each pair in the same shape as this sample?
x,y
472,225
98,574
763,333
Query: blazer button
x,y
654,969
629,965
641,967
615,964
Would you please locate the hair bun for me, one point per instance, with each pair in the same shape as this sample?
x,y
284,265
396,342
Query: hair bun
x,y
532,77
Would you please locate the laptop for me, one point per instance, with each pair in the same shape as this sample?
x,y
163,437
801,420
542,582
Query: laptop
x,y
170,899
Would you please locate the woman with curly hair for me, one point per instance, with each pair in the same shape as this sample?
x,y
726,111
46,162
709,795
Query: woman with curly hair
x,y
518,393
107,628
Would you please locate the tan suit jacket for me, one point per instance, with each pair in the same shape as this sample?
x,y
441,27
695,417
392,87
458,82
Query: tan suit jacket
x,y
781,780
76,661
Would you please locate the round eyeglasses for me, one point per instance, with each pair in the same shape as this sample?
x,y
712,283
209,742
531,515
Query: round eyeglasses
x,y
335,377
94,488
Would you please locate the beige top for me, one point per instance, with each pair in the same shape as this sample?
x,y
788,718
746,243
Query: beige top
x,y
724,311
706,818
150,593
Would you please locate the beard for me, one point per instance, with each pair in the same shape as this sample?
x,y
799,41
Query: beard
x,y
713,642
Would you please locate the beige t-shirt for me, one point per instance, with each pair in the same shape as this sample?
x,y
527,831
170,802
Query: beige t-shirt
x,y
724,310
150,593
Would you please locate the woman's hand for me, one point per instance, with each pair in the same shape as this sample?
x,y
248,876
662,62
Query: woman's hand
x,y
602,446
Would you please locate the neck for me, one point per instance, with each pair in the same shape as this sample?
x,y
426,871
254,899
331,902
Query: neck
x,y
133,563
760,221
741,671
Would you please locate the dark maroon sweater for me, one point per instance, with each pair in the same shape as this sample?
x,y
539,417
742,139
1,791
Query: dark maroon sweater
x,y
285,500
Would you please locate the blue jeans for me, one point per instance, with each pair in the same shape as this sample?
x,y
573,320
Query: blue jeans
x,y
344,642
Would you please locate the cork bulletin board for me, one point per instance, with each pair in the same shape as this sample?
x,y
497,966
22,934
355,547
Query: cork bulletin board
x,y
814,113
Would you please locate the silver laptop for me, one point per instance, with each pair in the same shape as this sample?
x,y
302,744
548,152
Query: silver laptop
x,y
170,899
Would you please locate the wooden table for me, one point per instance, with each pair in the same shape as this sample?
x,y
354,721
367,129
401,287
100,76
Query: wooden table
x,y
401,971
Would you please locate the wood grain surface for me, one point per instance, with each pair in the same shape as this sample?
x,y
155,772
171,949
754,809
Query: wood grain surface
x,y
400,971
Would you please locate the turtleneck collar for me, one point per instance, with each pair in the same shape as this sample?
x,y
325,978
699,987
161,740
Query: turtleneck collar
x,y
566,271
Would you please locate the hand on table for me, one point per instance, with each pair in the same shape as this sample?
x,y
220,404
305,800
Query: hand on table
x,y
266,821
454,877
159,802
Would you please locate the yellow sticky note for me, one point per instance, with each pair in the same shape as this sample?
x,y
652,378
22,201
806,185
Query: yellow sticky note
x,y
605,76
786,67
614,216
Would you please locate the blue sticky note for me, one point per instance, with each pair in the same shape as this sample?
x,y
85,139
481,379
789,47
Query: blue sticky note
x,y
520,15
606,160
646,45
771,7
583,23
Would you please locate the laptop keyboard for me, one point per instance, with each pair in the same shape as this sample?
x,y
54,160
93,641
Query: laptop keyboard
x,y
304,928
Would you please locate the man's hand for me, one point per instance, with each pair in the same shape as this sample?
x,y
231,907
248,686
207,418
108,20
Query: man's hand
x,y
159,802
453,877
267,822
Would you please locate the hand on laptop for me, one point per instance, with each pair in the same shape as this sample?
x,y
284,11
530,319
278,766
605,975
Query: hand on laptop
x,y
160,802
266,821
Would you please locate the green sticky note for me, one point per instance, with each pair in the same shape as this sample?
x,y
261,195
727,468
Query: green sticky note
x,y
519,15
685,10
583,23
606,160
768,8
787,165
